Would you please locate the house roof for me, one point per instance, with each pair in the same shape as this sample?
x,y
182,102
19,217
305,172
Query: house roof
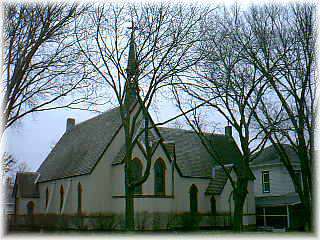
x,y
26,182
287,199
78,150
217,183
192,157
269,155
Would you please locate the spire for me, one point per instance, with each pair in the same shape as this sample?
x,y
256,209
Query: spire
x,y
132,68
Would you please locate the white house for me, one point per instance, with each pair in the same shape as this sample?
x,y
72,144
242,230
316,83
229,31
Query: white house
x,y
278,205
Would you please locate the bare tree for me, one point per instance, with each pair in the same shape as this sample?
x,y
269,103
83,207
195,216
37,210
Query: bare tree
x,y
10,166
8,162
40,70
280,43
234,89
135,50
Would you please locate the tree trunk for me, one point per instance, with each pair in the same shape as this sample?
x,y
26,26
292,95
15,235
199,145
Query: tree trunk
x,y
239,197
129,210
308,226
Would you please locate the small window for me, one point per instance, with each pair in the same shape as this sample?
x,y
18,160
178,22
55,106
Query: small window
x,y
213,205
136,170
61,197
79,198
265,182
47,197
193,199
30,208
159,177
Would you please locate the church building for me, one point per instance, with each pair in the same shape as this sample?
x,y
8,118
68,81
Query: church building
x,y
84,176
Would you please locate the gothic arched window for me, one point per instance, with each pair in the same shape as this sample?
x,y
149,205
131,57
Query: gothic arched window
x,y
213,205
159,177
61,197
47,197
79,198
136,173
30,208
193,199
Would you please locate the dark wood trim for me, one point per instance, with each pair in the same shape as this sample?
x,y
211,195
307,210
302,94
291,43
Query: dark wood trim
x,y
145,196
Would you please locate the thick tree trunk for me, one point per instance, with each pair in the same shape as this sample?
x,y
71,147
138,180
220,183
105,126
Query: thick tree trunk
x,y
308,226
306,187
239,197
129,210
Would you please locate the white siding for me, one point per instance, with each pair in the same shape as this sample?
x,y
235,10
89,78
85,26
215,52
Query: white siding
x,y
280,180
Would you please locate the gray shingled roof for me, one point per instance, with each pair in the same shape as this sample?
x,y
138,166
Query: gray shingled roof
x,y
25,182
217,183
191,156
269,155
287,199
78,150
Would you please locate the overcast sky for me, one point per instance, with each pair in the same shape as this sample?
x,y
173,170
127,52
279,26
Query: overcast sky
x,y
32,139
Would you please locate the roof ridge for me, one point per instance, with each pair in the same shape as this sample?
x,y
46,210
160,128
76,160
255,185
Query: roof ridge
x,y
95,117
187,130
27,173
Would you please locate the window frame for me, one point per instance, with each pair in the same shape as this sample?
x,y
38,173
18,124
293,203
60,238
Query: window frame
x,y
61,197
193,198
47,197
30,208
79,198
160,163
137,189
264,182
213,205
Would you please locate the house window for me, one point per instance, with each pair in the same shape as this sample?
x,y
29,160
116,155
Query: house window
x,y
47,197
159,177
79,198
193,199
213,205
265,182
61,197
136,173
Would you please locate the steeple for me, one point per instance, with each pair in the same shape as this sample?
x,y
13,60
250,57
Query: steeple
x,y
132,69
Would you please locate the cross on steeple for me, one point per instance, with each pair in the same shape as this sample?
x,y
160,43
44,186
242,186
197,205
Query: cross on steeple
x,y
132,68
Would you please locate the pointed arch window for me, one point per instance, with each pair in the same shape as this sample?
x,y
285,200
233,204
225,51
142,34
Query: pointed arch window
x,y
30,208
193,193
79,198
47,197
61,197
159,177
136,173
213,205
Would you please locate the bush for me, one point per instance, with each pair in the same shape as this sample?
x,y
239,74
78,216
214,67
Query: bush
x,y
190,221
